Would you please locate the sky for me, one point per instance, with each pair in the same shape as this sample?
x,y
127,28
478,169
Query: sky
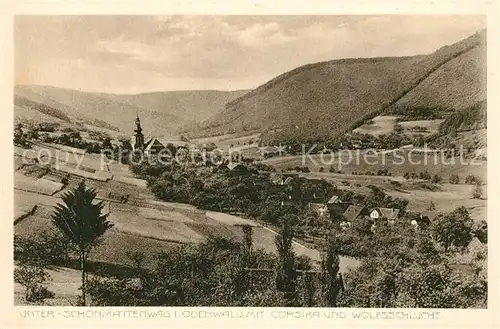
x,y
133,54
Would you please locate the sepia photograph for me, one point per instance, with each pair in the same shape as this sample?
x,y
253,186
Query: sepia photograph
x,y
326,161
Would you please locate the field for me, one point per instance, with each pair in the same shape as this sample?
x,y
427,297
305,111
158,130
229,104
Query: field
x,y
23,198
382,125
139,221
142,222
229,219
451,197
130,180
40,185
156,214
397,163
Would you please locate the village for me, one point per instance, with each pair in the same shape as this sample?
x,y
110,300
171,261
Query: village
x,y
326,182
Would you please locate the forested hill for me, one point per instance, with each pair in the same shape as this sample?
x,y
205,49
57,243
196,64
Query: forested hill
x,y
328,98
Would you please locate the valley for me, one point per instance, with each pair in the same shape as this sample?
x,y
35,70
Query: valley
x,y
355,182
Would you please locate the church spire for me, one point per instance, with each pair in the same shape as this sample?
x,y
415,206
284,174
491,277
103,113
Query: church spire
x,y
139,137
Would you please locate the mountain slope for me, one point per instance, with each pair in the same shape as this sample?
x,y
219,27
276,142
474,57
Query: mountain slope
x,y
328,98
195,105
457,84
162,113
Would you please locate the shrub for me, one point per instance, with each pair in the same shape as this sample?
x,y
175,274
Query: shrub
x,y
478,191
65,179
429,186
472,180
395,183
34,279
454,179
436,179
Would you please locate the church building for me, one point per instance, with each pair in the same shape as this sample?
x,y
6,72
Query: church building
x,y
150,147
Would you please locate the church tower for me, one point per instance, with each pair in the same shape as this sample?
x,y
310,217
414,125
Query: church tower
x,y
139,137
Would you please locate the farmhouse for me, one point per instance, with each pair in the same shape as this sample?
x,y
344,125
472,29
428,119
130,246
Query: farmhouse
x,y
360,212
334,207
153,146
335,203
355,212
320,208
423,218
384,213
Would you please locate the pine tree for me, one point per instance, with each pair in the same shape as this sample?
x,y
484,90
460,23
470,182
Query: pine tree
x,y
82,222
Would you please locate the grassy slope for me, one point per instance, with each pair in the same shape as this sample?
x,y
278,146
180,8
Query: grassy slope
x,y
327,98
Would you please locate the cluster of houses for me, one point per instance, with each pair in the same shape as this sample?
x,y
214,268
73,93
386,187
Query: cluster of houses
x,y
329,207
334,208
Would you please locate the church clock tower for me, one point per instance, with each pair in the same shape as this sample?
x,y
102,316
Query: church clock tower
x,y
139,137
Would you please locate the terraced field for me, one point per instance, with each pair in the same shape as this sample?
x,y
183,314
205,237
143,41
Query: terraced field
x,y
40,185
142,223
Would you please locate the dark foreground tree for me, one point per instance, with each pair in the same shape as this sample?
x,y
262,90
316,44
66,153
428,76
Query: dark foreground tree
x,y
81,220
332,279
286,275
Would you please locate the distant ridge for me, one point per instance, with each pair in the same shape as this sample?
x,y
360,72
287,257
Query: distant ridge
x,y
162,113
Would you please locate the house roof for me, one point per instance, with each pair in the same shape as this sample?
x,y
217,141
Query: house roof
x,y
153,142
288,180
269,149
276,177
352,212
429,214
389,213
334,199
316,205
233,165
176,141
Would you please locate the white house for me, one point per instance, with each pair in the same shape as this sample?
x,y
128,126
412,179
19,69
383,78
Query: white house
x,y
391,214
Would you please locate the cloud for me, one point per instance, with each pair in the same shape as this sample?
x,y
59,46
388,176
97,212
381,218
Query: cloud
x,y
259,35
219,50
212,47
